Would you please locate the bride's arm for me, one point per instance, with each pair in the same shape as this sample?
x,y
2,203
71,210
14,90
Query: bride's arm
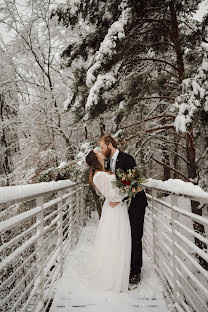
x,y
103,182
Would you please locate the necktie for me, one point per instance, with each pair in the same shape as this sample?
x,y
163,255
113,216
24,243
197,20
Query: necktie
x,y
111,164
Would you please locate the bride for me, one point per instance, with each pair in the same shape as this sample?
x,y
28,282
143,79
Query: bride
x,y
108,265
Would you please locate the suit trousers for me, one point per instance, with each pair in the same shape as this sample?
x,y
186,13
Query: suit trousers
x,y
136,216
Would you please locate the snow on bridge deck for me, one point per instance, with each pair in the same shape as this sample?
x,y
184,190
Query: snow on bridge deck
x,y
71,295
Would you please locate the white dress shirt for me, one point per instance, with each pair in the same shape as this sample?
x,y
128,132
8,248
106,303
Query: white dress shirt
x,y
113,161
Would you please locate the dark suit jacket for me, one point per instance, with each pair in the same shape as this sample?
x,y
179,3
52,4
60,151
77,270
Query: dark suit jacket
x,y
125,161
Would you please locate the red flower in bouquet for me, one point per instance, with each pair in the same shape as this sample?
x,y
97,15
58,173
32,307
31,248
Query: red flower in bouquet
x,y
129,182
126,182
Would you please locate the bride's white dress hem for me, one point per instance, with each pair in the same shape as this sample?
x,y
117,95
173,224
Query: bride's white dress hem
x,y
107,266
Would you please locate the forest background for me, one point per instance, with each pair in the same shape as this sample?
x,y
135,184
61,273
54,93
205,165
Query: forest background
x,y
72,71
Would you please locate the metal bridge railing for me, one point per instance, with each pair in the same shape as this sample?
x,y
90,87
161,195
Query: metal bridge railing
x,y
178,250
39,224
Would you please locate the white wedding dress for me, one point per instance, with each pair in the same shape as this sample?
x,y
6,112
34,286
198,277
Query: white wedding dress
x,y
108,264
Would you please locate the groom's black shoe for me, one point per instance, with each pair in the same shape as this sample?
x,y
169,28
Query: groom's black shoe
x,y
134,280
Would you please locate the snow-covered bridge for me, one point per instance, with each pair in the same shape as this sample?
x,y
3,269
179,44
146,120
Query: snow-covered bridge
x,y
47,227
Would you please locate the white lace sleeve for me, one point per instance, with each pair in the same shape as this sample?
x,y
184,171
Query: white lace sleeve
x,y
103,181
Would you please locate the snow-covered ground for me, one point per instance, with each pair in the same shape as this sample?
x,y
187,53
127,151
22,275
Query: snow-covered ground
x,y
71,295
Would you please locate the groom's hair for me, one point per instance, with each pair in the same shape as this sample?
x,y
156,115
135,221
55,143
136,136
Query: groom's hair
x,y
107,139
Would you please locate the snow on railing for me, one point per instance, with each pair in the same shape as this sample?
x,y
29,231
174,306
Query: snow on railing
x,y
178,250
40,223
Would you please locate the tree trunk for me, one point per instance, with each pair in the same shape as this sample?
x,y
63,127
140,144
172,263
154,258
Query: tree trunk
x,y
4,144
176,157
102,126
176,41
192,173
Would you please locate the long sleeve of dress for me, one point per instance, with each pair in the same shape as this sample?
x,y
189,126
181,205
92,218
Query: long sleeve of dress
x,y
103,181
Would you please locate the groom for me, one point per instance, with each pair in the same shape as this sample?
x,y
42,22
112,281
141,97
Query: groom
x,y
116,160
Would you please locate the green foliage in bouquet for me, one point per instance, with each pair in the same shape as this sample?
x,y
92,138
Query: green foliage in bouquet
x,y
129,182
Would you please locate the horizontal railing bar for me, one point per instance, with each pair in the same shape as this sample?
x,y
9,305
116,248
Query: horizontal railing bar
x,y
194,262
32,294
167,227
67,246
24,292
53,232
67,218
148,249
161,202
49,280
196,295
169,291
179,308
148,218
51,203
166,216
53,258
70,225
52,254
199,251
17,193
51,288
18,251
164,259
148,231
69,203
191,215
66,233
169,276
148,228
203,199
67,195
13,221
53,222
17,286
51,214
149,196
167,248
16,238
185,306
195,234
19,268
67,225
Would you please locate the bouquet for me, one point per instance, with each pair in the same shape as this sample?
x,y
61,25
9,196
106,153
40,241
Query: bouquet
x,y
129,182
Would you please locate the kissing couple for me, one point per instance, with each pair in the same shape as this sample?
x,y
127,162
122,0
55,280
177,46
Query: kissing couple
x,y
115,261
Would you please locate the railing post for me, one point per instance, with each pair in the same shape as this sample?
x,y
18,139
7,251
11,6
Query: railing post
x,y
82,206
155,230
77,215
60,231
40,251
174,217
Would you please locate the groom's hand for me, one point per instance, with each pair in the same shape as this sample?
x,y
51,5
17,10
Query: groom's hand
x,y
113,204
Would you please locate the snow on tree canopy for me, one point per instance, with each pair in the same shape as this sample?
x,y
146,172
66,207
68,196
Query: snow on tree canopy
x,y
85,148
94,80
194,95
103,81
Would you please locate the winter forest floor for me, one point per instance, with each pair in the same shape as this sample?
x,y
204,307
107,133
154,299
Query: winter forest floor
x,y
71,295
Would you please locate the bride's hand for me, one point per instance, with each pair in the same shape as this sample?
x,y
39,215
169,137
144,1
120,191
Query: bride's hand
x,y
113,204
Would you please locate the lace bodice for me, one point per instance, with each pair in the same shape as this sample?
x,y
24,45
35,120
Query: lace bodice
x,y
103,181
